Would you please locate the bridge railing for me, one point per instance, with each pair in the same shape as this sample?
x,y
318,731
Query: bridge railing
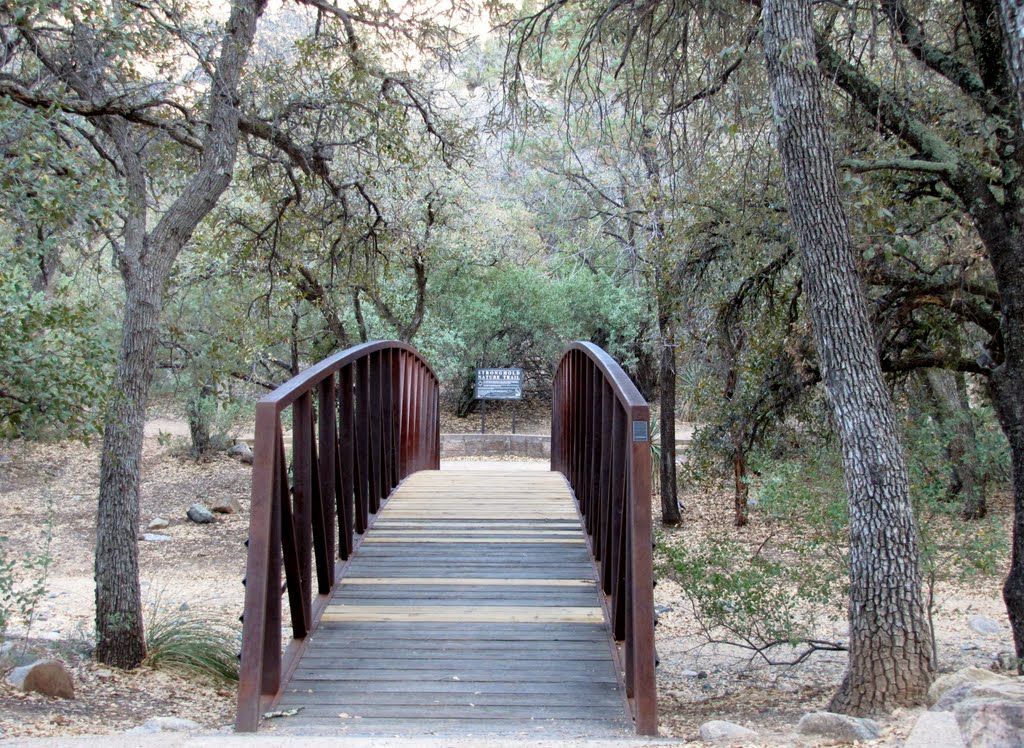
x,y
600,443
361,421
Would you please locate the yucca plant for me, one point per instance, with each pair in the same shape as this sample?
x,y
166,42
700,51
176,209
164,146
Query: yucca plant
x,y
192,644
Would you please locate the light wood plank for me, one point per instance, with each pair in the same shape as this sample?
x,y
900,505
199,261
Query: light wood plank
x,y
471,581
454,614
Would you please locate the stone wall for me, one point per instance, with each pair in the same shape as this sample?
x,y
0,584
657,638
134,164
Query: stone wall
x,y
536,446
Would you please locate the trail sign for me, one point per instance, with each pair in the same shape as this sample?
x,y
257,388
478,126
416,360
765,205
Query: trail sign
x,y
499,384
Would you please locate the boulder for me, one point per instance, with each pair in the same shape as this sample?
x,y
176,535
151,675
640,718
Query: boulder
x,y
838,727
242,452
973,675
226,505
1011,690
158,523
48,677
935,730
719,729
984,625
199,514
991,723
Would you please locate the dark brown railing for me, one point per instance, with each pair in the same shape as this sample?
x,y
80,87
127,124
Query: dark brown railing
x,y
600,443
375,421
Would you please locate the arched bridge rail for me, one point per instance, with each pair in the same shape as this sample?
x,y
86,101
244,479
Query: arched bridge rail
x,y
361,421
600,443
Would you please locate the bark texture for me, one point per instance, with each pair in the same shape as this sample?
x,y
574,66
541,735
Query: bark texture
x,y
890,643
145,261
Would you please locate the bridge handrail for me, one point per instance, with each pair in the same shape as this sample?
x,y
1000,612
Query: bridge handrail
x,y
378,422
600,443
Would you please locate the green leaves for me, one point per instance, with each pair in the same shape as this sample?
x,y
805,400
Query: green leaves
x,y
52,362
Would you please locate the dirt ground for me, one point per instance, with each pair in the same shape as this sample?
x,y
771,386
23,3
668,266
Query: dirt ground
x,y
201,567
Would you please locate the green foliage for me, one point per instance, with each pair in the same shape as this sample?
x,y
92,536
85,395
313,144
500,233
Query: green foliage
x,y
52,362
524,316
756,601
191,644
781,591
953,548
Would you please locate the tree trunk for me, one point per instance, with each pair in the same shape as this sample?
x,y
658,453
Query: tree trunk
x,y
670,514
119,634
890,660
199,420
145,262
948,390
730,349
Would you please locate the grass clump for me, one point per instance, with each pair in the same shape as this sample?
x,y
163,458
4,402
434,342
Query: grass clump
x,y
192,644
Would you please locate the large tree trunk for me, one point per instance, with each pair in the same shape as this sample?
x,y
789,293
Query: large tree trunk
x,y
119,632
890,660
670,514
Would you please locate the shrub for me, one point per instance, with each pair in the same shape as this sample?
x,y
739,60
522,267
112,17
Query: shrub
x,y
192,644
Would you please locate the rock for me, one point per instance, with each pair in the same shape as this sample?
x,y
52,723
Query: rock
x,y
935,730
158,523
950,681
226,505
702,674
154,725
243,452
991,723
1011,690
984,625
199,514
48,677
660,609
689,673
155,537
718,729
105,675
838,727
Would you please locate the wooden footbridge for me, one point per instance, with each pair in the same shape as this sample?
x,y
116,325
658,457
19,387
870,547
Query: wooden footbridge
x,y
462,602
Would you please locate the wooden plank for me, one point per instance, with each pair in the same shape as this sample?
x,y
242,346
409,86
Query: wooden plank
x,y
471,711
471,581
460,613
443,675
526,690
451,540
357,696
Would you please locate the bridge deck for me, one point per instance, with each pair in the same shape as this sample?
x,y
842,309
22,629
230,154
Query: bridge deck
x,y
471,607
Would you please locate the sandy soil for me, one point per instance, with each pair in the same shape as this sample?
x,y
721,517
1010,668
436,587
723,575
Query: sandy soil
x,y
201,566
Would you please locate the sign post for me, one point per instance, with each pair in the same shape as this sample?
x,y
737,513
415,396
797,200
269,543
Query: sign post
x,y
497,384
